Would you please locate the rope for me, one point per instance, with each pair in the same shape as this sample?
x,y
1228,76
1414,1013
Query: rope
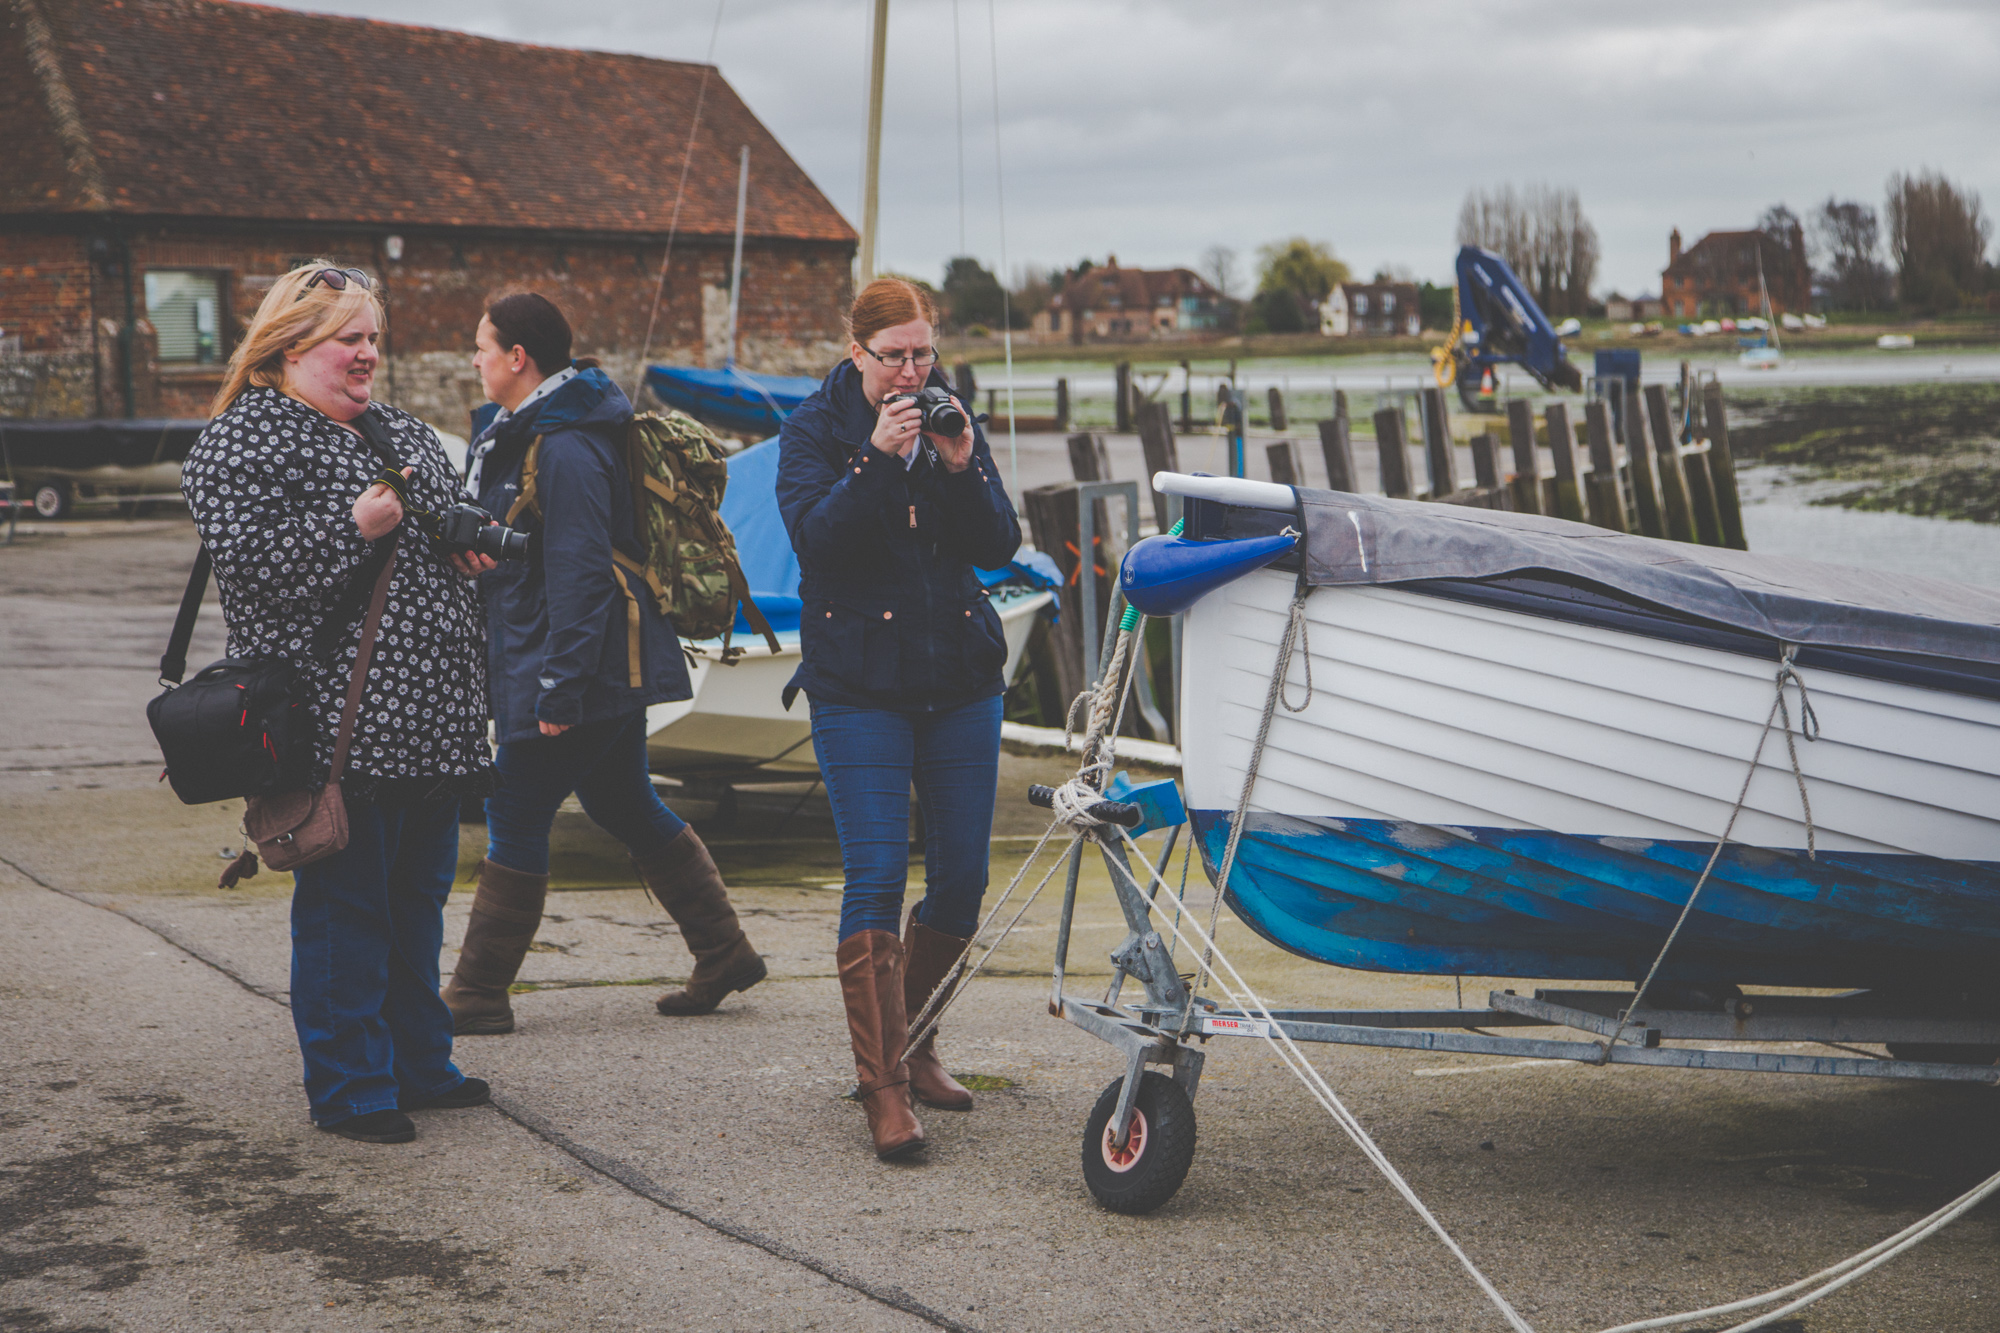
x,y
680,190
1809,724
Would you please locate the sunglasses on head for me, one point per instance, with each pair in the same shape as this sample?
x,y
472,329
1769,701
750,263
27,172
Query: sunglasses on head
x,y
336,278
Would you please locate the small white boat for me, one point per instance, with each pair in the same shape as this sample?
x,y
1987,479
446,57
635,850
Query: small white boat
x,y
736,723
1895,342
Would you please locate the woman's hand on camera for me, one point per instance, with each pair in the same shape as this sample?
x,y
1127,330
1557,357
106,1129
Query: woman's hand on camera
x,y
956,453
896,428
471,563
379,510
554,728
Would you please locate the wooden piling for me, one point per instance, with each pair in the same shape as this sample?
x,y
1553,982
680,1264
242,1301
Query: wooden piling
x,y
1156,439
963,380
1722,471
1440,461
1088,458
1283,456
1607,497
1274,397
1642,472
1562,447
1123,409
1062,404
1393,445
1527,459
1340,403
1673,477
1486,460
1337,447
1052,515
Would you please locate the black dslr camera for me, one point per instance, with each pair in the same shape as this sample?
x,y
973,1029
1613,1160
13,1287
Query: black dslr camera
x,y
936,412
461,528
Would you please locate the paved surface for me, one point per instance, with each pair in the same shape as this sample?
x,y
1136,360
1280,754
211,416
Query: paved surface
x,y
157,1170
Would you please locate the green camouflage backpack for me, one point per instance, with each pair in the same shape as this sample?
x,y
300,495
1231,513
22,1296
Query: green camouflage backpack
x,y
679,474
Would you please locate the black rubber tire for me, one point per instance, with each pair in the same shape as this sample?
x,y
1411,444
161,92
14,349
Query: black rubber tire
x,y
1937,1053
1165,1151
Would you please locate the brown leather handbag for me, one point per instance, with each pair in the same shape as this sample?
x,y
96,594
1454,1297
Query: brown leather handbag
x,y
296,828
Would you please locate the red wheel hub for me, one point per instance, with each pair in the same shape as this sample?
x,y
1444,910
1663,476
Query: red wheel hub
x,y
1125,1158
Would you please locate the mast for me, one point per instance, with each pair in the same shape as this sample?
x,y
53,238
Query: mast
x,y
871,175
736,264
1765,292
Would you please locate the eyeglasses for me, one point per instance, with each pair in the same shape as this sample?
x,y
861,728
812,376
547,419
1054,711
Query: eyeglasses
x,y
897,360
335,278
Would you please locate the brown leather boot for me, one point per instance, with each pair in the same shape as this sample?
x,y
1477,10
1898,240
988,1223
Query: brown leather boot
x,y
683,880
927,955
506,911
871,984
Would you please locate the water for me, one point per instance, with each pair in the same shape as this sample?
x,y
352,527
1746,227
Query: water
x,y
1779,518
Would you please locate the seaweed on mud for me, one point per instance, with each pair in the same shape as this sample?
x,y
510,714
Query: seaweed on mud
x,y
1927,449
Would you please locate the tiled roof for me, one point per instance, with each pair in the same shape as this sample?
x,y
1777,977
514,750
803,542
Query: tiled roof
x,y
1109,287
208,108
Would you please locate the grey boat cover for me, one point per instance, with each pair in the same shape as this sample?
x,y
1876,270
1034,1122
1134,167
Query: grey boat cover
x,y
1366,539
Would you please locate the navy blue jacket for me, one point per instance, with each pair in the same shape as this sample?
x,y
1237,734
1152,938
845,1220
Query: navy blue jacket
x,y
894,615
557,622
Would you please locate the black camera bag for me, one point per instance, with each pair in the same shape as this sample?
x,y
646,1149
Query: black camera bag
x,y
238,728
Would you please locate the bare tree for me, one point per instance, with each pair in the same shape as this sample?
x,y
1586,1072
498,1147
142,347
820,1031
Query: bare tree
x,y
1938,235
1219,265
1847,239
1542,233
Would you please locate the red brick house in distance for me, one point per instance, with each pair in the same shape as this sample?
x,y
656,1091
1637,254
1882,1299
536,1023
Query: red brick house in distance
x,y
1717,275
166,159
1109,302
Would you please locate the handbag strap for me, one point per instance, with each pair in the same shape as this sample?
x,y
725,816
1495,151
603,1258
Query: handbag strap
x,y
173,663
362,655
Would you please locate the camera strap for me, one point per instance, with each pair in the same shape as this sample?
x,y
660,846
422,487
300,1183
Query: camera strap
x,y
173,662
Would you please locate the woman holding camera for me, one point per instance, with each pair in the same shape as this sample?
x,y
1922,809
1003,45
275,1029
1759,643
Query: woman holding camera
x,y
578,650
282,488
893,504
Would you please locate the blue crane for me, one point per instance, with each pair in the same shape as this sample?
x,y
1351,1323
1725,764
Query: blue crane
x,y
1495,322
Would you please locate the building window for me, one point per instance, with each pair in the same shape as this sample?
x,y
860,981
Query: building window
x,y
185,309
1361,303
1388,303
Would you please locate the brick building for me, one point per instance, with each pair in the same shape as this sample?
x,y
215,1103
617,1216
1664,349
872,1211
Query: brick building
x,y
1113,302
167,159
1717,275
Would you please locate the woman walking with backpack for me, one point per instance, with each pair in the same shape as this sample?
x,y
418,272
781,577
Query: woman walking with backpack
x,y
578,650
901,663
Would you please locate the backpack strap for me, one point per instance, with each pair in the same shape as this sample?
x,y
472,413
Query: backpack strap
x,y
626,566
527,499
741,587
173,663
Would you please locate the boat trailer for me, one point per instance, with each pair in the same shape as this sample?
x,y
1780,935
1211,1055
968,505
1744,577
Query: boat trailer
x,y
1140,1137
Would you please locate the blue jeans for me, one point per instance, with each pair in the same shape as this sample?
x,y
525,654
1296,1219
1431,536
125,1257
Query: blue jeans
x,y
367,924
604,763
869,758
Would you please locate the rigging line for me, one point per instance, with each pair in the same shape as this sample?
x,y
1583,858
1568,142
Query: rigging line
x,y
958,101
1006,298
680,193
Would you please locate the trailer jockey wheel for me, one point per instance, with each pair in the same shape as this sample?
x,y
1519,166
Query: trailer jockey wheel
x,y
1144,1173
52,499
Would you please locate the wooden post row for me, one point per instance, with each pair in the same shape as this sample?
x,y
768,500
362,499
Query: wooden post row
x,y
1062,404
1527,459
1393,445
1644,474
1336,445
1486,461
1275,397
1439,460
1122,411
1052,515
1607,496
1088,458
1283,456
1156,439
1722,471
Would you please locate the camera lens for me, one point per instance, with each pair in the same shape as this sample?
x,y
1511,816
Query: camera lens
x,y
501,543
945,419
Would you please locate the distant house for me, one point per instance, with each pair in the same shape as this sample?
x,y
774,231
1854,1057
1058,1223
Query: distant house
x,y
166,160
1371,309
1624,309
1717,275
1113,302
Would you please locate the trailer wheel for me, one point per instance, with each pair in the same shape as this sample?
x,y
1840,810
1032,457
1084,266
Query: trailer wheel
x,y
1147,1171
1924,1052
53,499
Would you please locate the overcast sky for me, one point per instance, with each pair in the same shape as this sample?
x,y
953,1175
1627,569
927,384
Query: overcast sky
x,y
1154,129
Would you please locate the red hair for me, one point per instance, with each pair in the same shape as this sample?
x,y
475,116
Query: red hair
x,y
885,303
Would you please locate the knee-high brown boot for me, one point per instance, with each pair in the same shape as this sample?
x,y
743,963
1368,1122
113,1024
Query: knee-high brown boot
x,y
683,880
929,954
506,911
871,984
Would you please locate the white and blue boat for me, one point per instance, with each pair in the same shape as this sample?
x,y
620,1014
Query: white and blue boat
x,y
735,401
1524,738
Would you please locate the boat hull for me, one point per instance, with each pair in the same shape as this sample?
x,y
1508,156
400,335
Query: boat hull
x,y
1476,790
